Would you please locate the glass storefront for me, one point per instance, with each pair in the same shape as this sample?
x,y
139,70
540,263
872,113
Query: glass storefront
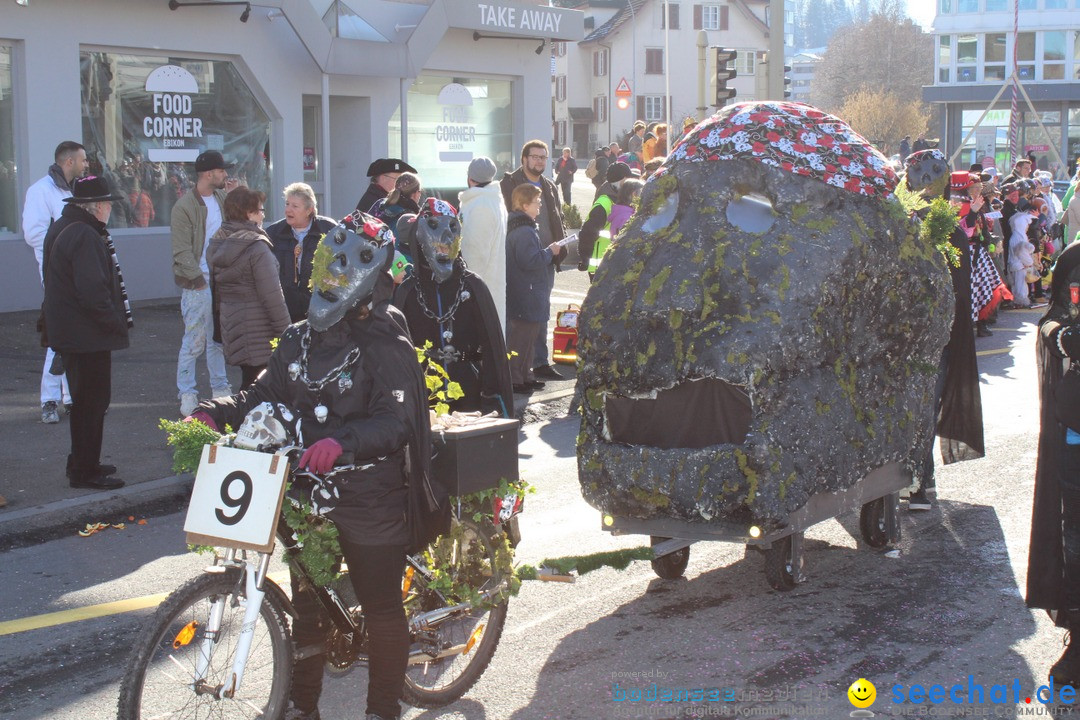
x,y
451,121
991,139
146,118
9,193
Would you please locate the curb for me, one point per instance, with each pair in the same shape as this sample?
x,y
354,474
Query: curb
x,y
40,523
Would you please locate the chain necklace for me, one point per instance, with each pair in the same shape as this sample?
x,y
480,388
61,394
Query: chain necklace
x,y
298,370
449,314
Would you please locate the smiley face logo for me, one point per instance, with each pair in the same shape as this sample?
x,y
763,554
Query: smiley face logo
x,y
862,693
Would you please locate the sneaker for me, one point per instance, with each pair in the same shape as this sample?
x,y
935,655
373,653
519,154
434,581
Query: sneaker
x,y
547,372
919,500
67,407
1066,671
49,414
188,403
295,713
221,393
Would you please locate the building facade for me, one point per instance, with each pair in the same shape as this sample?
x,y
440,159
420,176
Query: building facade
x,y
975,43
290,90
625,41
803,66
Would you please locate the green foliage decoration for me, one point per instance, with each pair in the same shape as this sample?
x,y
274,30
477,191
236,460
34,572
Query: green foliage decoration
x,y
571,216
187,439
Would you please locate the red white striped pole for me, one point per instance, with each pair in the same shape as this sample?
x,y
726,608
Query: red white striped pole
x,y
1014,115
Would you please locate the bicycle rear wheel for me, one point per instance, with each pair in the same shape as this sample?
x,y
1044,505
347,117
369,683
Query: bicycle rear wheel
x,y
162,681
449,658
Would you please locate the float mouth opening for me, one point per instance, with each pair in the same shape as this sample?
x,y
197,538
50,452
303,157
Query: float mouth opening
x,y
693,414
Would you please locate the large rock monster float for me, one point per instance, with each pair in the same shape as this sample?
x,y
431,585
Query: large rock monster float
x,y
768,326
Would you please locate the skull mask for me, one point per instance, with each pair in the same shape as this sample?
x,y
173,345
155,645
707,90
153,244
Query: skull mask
x,y
768,326
927,171
435,237
346,268
265,427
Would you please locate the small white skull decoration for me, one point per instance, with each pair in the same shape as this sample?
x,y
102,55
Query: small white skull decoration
x,y
261,430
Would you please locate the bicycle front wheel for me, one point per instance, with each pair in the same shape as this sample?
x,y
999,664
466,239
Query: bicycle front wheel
x,y
450,657
182,670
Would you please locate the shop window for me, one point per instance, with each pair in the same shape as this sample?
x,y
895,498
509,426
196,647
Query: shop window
x,y
996,5
146,118
9,192
945,6
1028,5
967,6
451,121
599,63
654,61
994,53
1055,4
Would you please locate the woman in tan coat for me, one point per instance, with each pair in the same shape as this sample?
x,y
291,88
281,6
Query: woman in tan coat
x,y
249,307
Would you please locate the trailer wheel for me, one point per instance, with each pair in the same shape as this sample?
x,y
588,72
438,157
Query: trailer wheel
x,y
670,566
872,523
781,566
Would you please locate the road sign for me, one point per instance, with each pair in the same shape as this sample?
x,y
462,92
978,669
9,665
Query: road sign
x,y
623,89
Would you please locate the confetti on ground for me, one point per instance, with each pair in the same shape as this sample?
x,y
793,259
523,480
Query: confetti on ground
x,y
92,528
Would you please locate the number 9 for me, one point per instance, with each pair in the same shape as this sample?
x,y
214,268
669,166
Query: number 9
x,y
241,503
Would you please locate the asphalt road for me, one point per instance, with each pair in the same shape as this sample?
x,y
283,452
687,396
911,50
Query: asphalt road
x,y
946,605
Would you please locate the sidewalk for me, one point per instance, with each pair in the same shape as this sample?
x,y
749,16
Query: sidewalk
x,y
32,455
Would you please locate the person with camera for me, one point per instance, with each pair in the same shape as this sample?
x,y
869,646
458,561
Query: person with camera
x,y
349,379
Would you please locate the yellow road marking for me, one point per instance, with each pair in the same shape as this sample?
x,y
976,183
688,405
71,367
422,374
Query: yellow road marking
x,y
36,622
89,612
999,351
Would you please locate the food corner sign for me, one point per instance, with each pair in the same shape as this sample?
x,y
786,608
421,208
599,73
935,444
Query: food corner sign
x,y
174,134
505,18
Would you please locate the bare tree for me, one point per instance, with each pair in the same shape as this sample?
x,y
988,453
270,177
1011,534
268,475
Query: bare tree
x,y
883,117
887,52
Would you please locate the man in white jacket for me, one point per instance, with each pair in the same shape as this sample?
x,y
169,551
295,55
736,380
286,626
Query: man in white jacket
x,y
44,203
483,231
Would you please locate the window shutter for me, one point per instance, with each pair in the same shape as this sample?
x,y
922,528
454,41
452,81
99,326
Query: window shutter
x,y
663,108
640,107
674,10
596,64
697,17
723,17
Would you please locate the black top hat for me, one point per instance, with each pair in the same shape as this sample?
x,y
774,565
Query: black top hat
x,y
211,160
389,165
91,189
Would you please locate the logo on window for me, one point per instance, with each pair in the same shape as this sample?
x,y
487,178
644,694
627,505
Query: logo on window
x,y
455,135
172,123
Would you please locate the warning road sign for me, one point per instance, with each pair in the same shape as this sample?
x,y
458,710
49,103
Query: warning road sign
x,y
623,89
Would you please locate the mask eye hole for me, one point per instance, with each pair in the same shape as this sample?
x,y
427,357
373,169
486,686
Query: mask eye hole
x,y
367,255
752,213
432,223
339,237
453,227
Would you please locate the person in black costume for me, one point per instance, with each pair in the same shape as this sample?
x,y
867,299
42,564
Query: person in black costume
x,y
958,400
1053,577
350,376
452,308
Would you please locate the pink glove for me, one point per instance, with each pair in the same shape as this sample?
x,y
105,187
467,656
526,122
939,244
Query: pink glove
x,y
202,417
320,457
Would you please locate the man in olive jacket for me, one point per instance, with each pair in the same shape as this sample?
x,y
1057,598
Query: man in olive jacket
x,y
195,218
86,317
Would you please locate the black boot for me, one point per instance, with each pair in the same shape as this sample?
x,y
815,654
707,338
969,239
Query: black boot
x,y
981,330
1066,671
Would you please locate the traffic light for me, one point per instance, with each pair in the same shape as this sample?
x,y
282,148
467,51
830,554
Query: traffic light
x,y
787,82
723,74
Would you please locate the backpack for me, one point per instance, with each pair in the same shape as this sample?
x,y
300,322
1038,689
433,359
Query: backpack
x,y
590,171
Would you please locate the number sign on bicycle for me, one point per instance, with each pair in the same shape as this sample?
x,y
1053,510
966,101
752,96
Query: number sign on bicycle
x,y
236,499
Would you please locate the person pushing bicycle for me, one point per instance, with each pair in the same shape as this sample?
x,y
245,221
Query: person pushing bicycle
x,y
346,381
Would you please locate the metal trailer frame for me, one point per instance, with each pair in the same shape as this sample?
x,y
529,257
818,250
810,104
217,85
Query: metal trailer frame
x,y
876,496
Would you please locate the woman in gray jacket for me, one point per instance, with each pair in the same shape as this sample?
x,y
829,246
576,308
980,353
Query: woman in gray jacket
x,y
249,307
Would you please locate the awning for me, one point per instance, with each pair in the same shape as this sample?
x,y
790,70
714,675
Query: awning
x,y
581,114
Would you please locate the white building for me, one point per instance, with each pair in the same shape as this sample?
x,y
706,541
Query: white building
x,y
803,66
292,90
975,41
625,40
